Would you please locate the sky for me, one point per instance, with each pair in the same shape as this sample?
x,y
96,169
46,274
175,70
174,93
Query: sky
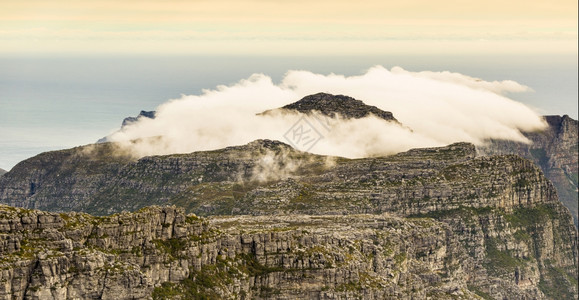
x,y
71,70
300,27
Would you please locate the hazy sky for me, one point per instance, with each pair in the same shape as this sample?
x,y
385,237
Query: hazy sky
x,y
289,27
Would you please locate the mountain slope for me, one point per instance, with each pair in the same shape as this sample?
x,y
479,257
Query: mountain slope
x,y
555,151
500,216
268,177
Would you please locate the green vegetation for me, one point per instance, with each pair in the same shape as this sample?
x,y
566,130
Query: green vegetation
x,y
540,156
453,172
349,287
574,178
479,292
193,219
267,292
400,258
174,247
525,217
305,195
167,290
461,211
252,267
201,284
558,284
499,261
522,183
522,235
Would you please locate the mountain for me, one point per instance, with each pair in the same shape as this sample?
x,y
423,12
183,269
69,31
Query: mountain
x,y
335,105
246,179
143,114
272,222
130,120
2,171
555,151
437,222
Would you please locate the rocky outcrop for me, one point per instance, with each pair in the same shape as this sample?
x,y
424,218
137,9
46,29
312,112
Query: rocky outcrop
x,y
336,105
159,253
143,114
555,151
2,171
130,120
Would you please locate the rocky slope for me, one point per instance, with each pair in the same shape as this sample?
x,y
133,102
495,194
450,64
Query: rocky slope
x,y
336,105
434,222
555,151
162,253
269,177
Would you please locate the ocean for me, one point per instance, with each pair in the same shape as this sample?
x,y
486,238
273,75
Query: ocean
x,y
50,103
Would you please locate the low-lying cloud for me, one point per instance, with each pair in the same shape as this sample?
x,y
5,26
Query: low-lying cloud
x,y
436,108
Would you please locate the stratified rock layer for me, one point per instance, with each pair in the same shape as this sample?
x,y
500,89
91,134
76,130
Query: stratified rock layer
x,y
269,177
159,252
555,151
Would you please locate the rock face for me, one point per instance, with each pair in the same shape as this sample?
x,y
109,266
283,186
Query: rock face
x,y
555,151
337,105
434,222
160,253
130,120
142,114
269,177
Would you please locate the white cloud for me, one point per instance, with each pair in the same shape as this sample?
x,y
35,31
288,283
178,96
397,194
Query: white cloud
x,y
439,107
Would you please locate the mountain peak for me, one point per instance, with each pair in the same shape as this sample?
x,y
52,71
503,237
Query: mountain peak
x,y
143,114
333,105
267,144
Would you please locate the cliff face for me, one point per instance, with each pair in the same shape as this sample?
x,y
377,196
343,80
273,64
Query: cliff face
x,y
268,177
161,252
555,151
435,222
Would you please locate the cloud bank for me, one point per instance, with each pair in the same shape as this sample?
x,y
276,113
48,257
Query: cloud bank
x,y
436,108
